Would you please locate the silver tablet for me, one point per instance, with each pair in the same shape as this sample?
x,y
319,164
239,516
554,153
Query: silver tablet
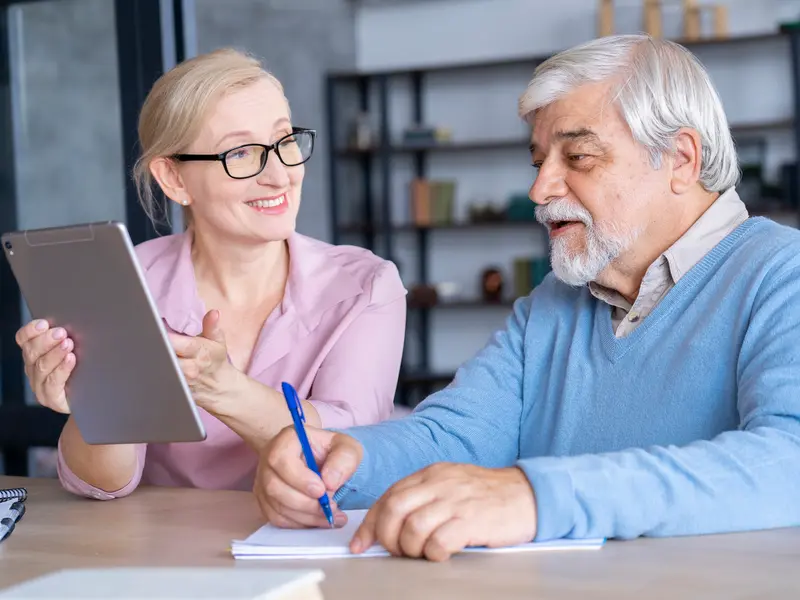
x,y
127,386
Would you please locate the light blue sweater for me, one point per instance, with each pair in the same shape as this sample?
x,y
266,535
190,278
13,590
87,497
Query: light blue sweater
x,y
689,425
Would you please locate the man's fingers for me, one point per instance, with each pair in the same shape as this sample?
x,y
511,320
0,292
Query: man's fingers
x,y
302,518
284,458
341,462
395,507
30,331
274,517
421,524
450,538
364,536
283,494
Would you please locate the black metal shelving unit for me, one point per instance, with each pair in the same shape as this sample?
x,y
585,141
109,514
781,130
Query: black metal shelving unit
x,y
373,224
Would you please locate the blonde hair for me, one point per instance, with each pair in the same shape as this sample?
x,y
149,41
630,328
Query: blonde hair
x,y
179,101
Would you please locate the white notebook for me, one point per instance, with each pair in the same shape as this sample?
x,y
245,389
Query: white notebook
x,y
275,543
171,583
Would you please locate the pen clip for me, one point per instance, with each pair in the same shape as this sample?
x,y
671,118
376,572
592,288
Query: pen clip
x,y
299,408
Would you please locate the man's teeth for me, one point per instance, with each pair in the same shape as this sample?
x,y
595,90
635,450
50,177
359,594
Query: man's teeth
x,y
267,203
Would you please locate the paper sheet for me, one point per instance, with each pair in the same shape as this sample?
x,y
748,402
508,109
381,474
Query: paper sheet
x,y
275,543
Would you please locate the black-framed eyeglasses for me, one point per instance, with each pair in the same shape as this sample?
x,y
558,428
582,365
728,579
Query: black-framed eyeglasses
x,y
250,159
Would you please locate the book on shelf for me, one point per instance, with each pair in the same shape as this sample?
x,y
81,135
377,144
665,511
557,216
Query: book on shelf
x,y
528,273
432,202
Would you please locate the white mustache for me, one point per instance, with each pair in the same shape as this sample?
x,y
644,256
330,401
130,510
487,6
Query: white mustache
x,y
562,210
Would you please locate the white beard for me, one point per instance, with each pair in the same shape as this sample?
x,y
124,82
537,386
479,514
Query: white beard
x,y
602,248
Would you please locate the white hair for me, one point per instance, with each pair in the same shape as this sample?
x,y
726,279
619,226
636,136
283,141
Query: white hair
x,y
660,88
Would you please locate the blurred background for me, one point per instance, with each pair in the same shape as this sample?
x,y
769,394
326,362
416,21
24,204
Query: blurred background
x,y
420,157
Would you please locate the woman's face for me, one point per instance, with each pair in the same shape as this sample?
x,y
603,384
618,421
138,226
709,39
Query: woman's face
x,y
256,209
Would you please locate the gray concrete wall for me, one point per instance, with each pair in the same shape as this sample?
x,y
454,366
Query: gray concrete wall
x,y
68,142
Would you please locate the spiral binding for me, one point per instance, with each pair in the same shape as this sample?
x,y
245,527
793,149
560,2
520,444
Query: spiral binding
x,y
14,494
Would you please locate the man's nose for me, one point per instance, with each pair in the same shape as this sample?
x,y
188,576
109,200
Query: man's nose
x,y
550,183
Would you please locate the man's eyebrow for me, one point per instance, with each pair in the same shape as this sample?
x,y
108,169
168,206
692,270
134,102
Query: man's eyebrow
x,y
581,134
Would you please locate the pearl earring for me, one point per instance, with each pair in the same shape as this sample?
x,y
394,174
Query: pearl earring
x,y
186,203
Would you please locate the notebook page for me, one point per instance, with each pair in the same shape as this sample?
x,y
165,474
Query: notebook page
x,y
273,542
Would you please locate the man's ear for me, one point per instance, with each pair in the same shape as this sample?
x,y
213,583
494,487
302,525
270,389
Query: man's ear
x,y
686,160
169,180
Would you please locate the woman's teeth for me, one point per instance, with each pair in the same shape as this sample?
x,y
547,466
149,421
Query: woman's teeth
x,y
267,203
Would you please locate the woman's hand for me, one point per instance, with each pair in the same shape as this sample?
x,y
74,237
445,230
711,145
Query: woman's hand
x,y
49,361
204,361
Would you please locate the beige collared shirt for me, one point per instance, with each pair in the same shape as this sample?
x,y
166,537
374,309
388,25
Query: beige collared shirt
x,y
721,218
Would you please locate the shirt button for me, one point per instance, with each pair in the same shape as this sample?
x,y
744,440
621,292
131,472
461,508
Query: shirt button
x,y
633,317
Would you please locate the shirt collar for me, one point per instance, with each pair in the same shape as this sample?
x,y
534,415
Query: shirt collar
x,y
316,283
723,216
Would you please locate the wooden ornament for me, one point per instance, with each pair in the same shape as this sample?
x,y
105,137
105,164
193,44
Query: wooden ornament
x,y
605,25
492,285
691,20
721,21
652,18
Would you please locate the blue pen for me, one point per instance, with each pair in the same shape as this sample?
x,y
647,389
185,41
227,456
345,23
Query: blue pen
x,y
299,417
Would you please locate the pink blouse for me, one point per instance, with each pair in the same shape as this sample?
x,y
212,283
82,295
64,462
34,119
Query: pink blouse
x,y
337,337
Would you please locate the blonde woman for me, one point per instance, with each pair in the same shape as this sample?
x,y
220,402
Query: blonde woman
x,y
248,301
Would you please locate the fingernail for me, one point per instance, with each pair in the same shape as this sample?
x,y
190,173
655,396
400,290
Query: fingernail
x,y
59,333
355,545
65,344
41,325
339,518
316,490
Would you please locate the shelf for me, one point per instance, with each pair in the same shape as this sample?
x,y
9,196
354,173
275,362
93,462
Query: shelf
x,y
468,146
425,378
532,60
461,304
740,129
367,228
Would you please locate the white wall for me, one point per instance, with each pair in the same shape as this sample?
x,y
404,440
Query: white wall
x,y
754,81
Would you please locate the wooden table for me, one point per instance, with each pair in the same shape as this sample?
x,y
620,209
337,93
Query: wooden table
x,y
182,527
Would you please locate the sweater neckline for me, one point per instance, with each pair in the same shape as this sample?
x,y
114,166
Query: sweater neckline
x,y
615,348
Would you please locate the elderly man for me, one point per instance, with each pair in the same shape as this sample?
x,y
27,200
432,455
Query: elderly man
x,y
650,386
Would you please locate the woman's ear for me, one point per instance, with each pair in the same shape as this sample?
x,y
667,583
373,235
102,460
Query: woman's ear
x,y
686,160
169,180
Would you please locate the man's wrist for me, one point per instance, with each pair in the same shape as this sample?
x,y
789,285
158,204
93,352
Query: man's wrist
x,y
527,502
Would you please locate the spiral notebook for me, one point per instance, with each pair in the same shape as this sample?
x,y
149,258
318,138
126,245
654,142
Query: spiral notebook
x,y
272,542
11,512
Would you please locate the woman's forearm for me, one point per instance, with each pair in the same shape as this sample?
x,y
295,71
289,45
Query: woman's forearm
x,y
256,412
107,467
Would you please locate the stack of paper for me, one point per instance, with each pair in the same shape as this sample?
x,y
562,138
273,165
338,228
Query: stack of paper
x,y
275,543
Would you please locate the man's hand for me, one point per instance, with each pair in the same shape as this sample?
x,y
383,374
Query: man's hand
x,y
288,491
444,508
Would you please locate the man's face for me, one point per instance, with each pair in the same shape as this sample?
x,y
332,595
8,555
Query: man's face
x,y
596,188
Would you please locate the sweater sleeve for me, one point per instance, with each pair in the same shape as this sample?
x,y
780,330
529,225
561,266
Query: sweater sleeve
x,y
473,420
740,480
